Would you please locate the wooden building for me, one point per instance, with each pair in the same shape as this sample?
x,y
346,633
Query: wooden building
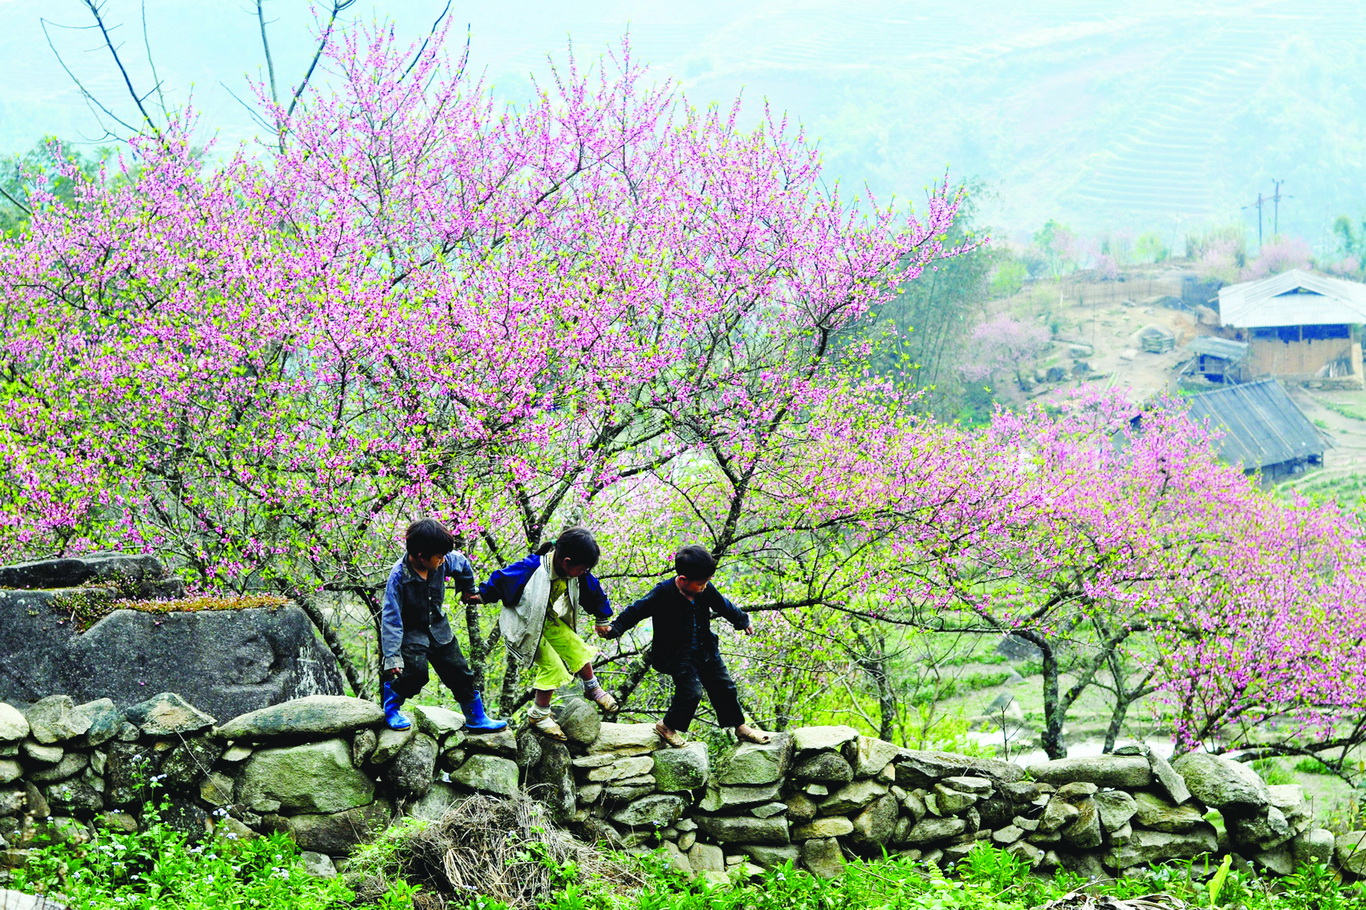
x,y
1299,326
1218,359
1257,425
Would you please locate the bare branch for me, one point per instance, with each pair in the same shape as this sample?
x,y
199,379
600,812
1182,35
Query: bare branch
x,y
265,47
89,97
95,11
338,7
151,63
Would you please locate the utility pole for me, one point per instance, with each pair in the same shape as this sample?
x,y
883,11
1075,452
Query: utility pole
x,y
1276,207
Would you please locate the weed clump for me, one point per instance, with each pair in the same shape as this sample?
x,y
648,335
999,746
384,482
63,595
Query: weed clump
x,y
485,851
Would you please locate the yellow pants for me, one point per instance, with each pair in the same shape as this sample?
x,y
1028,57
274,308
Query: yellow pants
x,y
560,655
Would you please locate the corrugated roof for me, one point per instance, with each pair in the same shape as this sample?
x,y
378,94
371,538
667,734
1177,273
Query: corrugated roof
x,y
1293,298
1232,351
1261,426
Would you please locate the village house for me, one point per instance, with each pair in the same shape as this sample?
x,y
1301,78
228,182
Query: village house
x,y
1299,327
1257,427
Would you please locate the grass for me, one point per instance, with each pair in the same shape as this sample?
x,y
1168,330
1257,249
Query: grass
x,y
504,855
162,867
1346,409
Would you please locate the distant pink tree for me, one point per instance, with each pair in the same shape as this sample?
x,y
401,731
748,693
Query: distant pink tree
x,y
1280,255
1004,344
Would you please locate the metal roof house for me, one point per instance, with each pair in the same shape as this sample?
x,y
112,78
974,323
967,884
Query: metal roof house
x,y
1300,326
1260,428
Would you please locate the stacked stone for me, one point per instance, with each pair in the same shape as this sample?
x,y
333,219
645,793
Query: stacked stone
x,y
325,769
1118,813
808,797
328,771
62,765
1270,826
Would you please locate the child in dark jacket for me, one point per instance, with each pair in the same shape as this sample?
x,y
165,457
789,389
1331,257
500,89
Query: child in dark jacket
x,y
540,595
414,630
687,649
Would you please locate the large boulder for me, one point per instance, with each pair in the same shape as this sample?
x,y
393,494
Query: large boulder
x,y
549,774
225,662
1223,784
334,833
758,764
677,770
916,768
1119,771
1146,847
824,739
742,830
13,725
487,774
414,767
1160,814
55,719
123,570
655,811
166,714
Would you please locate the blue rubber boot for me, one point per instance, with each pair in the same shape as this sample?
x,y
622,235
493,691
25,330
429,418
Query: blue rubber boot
x,y
390,702
476,721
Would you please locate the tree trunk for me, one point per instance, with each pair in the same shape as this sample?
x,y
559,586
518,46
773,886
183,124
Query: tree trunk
x,y
475,636
1052,740
353,676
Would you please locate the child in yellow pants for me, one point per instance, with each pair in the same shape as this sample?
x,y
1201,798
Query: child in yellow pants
x,y
539,595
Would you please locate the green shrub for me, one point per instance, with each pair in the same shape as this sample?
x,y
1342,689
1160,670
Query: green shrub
x,y
1272,771
161,867
1311,765
983,680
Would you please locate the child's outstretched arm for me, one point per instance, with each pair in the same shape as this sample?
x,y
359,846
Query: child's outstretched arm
x,y
391,628
461,576
734,615
628,618
506,584
594,600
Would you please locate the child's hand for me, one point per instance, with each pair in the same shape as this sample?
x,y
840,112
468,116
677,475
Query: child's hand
x,y
603,629
749,629
394,672
469,597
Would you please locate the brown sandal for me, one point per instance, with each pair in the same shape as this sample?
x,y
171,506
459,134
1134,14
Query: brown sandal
x,y
670,737
604,700
547,727
747,734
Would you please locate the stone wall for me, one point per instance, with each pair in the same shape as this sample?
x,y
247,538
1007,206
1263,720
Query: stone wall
x,y
326,770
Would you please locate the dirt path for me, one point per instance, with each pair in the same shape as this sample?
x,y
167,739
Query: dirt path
x,y
1344,465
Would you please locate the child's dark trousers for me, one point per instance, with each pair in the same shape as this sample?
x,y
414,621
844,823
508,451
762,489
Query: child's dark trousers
x,y
703,672
446,660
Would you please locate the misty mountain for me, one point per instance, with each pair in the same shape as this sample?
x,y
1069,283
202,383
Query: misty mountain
x,y
1166,116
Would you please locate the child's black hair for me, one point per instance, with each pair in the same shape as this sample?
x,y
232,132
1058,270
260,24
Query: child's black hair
x,y
576,544
428,537
695,563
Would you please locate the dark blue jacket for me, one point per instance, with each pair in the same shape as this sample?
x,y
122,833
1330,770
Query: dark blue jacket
x,y
507,583
676,619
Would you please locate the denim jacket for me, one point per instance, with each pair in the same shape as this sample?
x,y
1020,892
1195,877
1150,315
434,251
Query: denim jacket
x,y
412,606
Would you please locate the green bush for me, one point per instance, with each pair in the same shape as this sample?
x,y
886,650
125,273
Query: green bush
x,y
1272,771
1312,765
162,868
